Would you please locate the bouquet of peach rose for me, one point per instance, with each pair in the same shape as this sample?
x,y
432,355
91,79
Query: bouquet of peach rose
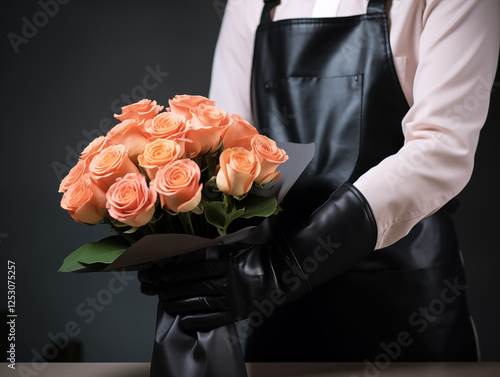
x,y
169,183
185,170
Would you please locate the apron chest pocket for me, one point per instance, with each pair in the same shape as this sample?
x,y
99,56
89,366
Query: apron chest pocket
x,y
323,110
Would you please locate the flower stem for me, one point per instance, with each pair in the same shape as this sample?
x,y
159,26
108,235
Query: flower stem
x,y
119,231
151,228
187,225
167,222
190,223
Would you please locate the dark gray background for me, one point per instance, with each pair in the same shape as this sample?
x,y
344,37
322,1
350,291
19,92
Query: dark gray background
x,y
61,84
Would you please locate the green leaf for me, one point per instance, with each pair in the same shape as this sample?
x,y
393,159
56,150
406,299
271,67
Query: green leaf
x,y
198,210
71,263
156,219
95,267
215,213
241,197
118,224
258,206
233,216
220,215
212,162
103,251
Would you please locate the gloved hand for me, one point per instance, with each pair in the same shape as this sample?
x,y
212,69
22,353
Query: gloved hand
x,y
216,292
150,280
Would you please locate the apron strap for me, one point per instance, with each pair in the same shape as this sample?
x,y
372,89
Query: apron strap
x,y
269,5
376,6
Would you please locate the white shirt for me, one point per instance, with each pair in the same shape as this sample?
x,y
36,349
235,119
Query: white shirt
x,y
445,53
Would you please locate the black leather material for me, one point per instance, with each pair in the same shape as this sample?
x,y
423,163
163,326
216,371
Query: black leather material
x,y
332,81
244,278
337,235
325,83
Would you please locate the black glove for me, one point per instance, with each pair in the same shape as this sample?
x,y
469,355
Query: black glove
x,y
216,292
150,280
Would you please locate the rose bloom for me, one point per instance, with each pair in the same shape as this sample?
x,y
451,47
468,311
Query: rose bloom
x,y
166,125
270,157
239,133
74,175
85,201
142,110
238,169
178,185
183,104
158,153
111,163
130,134
94,147
130,201
206,128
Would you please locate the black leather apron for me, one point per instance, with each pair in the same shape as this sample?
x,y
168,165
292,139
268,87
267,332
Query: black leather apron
x,y
332,81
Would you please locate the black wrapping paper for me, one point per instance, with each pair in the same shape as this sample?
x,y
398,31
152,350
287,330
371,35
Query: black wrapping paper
x,y
215,353
210,354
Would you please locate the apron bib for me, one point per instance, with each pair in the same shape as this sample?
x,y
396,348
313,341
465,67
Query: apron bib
x,y
332,81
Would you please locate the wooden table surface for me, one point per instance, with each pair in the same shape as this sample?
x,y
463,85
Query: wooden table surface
x,y
267,370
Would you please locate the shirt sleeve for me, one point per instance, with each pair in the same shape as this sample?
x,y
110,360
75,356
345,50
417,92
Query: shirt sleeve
x,y
232,65
458,44
457,58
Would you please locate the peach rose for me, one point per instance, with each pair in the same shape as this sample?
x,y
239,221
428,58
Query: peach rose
x,y
166,125
85,201
239,133
130,134
130,201
206,128
94,147
111,163
74,175
183,104
270,157
178,185
158,153
142,110
238,169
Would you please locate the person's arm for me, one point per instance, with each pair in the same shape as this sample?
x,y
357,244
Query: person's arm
x,y
458,54
456,67
232,64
